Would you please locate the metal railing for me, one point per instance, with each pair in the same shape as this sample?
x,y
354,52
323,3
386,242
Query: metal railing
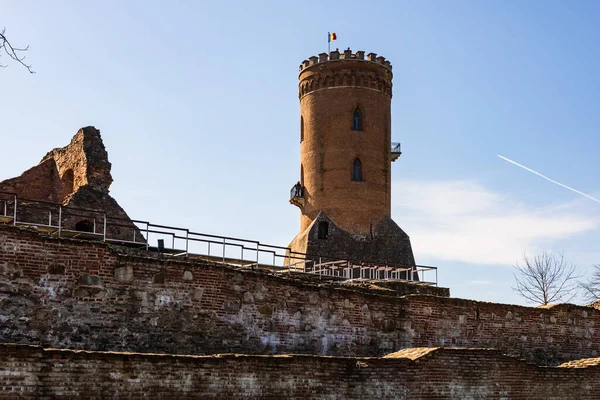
x,y
297,191
59,220
51,217
396,147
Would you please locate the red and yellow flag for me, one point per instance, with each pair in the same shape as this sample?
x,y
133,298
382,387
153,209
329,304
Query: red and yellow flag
x,y
331,36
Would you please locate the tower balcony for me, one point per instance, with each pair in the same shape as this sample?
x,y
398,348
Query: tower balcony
x,y
297,195
396,151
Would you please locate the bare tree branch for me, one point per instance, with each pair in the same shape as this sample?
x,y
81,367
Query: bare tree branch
x,y
546,278
13,52
591,288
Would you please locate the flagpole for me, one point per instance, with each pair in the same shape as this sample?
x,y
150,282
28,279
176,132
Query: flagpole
x,y
328,42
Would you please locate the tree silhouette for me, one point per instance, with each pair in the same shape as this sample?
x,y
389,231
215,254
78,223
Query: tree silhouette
x,y
545,278
591,287
7,49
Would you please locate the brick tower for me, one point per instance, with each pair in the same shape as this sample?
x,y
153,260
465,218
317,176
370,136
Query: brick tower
x,y
344,192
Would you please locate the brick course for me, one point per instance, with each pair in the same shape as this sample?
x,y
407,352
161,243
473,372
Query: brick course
x,y
33,372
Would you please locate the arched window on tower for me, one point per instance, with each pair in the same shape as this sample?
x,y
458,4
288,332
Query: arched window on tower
x,y
357,171
301,128
357,120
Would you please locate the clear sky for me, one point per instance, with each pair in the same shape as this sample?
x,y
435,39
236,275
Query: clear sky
x,y
197,104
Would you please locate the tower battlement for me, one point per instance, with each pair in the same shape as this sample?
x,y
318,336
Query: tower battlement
x,y
345,69
345,55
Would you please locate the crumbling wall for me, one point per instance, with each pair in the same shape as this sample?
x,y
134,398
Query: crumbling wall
x,y
83,162
76,176
84,295
428,374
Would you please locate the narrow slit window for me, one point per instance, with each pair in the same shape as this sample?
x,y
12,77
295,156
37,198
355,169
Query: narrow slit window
x,y
357,171
323,229
301,128
357,120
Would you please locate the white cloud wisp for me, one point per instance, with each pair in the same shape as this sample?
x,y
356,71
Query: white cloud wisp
x,y
465,222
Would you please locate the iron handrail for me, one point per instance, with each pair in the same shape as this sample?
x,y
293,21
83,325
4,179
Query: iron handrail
x,y
396,147
297,191
326,266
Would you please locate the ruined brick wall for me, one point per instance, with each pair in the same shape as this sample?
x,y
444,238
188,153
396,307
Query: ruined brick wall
x,y
83,162
63,171
77,176
431,374
83,295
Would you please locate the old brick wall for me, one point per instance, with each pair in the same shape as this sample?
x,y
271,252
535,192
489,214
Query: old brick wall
x,y
85,295
33,372
77,176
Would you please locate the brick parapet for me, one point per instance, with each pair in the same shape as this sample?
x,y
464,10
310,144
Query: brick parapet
x,y
85,295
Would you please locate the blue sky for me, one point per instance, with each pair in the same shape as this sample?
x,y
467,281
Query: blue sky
x,y
198,108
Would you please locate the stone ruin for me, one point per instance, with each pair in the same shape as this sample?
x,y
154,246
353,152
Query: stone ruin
x,y
76,176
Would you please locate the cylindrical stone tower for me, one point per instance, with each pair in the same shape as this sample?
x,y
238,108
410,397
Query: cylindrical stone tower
x,y
346,153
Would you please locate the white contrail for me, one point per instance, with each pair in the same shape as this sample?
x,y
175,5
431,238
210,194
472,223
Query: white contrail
x,y
548,179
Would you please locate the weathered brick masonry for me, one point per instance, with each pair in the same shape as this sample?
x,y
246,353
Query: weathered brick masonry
x,y
33,372
86,295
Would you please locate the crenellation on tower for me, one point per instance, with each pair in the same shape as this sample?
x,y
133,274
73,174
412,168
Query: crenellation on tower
x,y
346,55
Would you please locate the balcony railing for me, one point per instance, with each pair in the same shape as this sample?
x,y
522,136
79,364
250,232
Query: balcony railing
x,y
396,151
297,195
297,191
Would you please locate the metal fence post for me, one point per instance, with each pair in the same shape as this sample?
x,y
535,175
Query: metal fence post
x,y
257,250
15,212
187,242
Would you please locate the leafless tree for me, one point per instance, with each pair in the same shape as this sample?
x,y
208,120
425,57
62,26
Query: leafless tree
x,y
591,287
13,52
546,278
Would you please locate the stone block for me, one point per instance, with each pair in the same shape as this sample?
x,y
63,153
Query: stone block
x,y
56,269
124,273
159,278
90,280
